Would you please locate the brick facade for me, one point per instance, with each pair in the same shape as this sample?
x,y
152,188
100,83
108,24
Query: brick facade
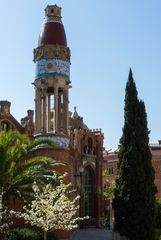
x,y
111,160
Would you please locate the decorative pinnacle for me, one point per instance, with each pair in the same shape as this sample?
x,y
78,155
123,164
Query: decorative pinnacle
x,y
75,114
53,11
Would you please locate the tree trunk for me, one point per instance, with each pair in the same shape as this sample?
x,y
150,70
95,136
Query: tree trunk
x,y
45,235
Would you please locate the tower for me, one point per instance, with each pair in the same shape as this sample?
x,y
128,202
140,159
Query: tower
x,y
76,144
52,58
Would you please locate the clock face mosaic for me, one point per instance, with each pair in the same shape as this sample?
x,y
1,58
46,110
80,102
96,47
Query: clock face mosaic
x,y
52,67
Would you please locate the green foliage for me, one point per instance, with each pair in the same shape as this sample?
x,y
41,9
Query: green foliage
x,y
134,194
105,172
158,213
157,234
24,234
29,234
108,191
18,169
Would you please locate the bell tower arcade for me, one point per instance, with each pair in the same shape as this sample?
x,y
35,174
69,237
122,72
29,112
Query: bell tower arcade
x,y
52,79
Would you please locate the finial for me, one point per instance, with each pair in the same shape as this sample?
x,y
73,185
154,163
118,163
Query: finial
x,y
75,114
54,12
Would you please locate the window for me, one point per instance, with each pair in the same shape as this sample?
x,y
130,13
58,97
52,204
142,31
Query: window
x,y
90,146
89,192
85,149
110,170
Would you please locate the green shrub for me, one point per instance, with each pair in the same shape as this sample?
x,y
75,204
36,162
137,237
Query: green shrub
x,y
24,234
29,234
158,213
157,234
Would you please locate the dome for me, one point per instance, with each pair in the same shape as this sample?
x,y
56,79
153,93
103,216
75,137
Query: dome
x,y
52,31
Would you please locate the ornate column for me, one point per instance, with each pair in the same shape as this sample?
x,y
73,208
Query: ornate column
x,y
60,111
38,110
47,112
43,99
65,111
55,109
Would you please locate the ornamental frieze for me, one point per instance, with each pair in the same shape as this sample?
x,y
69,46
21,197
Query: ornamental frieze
x,y
52,51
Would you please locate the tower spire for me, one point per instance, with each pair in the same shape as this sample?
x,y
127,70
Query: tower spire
x,y
52,58
52,31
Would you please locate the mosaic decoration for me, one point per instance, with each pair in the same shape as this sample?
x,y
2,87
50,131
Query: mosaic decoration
x,y
52,67
59,140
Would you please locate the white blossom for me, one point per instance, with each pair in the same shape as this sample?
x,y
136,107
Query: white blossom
x,y
52,208
4,216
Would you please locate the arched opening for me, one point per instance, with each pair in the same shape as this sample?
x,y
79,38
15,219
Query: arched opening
x,y
60,109
90,146
85,150
51,112
5,126
89,186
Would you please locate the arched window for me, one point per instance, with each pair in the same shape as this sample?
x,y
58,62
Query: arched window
x,y
85,149
89,186
94,151
90,146
5,125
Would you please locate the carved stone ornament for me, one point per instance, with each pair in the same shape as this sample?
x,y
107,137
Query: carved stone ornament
x,y
52,51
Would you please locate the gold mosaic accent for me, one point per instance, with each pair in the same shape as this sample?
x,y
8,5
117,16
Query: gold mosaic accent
x,y
49,66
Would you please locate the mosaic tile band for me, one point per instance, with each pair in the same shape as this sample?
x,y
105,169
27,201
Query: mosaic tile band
x,y
52,67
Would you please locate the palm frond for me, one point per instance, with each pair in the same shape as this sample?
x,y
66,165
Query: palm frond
x,y
18,170
35,144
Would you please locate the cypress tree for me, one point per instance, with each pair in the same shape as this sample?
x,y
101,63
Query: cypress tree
x,y
134,195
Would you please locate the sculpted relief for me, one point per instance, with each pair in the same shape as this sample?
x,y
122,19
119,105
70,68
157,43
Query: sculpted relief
x,y
52,51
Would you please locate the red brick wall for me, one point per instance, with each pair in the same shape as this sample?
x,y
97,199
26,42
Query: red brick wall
x,y
110,161
60,154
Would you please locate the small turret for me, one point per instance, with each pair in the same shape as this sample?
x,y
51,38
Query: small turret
x,y
5,107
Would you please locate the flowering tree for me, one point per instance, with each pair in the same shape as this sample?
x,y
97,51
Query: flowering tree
x,y
52,208
4,217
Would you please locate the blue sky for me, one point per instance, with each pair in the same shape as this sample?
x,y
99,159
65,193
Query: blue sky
x,y
106,38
